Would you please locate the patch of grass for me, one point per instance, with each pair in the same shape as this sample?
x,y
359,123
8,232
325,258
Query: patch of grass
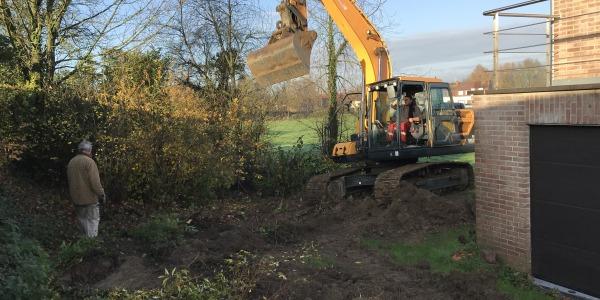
x,y
73,253
517,285
320,262
438,250
463,157
310,255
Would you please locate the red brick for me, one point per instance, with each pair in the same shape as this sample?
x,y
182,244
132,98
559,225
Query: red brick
x,y
502,162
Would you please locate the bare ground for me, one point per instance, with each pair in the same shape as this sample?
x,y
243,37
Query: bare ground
x,y
302,251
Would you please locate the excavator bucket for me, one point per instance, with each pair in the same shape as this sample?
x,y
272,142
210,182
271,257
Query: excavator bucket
x,y
283,59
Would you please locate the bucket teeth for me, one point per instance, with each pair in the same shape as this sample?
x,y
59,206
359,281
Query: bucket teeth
x,y
283,59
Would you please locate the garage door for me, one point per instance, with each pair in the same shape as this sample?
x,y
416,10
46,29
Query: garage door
x,y
565,206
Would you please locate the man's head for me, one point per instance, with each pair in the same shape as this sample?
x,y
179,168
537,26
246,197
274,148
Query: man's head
x,y
85,147
407,100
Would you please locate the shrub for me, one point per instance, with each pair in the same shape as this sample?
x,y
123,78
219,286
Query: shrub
x,y
160,234
285,171
155,141
39,129
24,266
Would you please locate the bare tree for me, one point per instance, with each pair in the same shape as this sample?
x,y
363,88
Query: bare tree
x,y
340,65
480,77
212,39
53,35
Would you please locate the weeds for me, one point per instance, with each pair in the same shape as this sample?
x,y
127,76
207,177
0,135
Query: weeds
x,y
518,285
311,256
160,234
73,253
236,281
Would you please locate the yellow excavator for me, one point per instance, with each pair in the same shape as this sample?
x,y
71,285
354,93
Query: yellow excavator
x,y
401,118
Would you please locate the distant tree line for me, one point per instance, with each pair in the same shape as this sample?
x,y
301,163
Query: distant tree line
x,y
523,74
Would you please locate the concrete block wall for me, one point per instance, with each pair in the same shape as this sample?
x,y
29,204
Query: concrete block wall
x,y
502,161
576,39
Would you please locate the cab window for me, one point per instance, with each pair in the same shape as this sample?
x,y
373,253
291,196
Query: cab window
x,y
440,99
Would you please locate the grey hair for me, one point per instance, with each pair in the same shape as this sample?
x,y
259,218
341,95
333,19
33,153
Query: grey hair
x,y
85,145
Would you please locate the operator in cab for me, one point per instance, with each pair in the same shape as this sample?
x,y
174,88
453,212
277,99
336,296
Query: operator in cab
x,y
409,114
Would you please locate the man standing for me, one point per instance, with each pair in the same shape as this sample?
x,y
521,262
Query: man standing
x,y
85,189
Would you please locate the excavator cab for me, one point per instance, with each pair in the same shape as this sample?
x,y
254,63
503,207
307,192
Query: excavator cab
x,y
388,136
287,55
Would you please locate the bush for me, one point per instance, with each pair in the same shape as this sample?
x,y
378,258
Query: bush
x,y
40,129
160,234
156,142
24,266
285,171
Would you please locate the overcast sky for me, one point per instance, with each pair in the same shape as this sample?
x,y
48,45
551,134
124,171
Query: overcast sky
x,y
445,38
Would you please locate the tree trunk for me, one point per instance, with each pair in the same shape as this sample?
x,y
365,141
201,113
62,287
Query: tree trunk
x,y
332,116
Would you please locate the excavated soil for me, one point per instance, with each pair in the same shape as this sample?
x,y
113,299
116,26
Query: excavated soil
x,y
299,252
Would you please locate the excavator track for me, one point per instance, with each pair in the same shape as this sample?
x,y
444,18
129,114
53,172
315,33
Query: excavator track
x,y
437,177
315,189
318,189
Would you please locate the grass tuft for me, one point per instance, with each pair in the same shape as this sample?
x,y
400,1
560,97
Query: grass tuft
x,y
438,250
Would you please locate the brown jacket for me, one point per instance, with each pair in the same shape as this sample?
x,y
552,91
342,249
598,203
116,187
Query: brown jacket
x,y
84,180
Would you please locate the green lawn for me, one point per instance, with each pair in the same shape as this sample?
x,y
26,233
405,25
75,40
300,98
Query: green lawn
x,y
285,133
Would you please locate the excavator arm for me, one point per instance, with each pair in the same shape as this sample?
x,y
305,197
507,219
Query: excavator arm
x,y
287,54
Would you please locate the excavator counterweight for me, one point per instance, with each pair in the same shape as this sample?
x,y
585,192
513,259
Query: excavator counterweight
x,y
284,59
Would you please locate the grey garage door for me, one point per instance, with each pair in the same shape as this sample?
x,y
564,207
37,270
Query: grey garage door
x,y
565,206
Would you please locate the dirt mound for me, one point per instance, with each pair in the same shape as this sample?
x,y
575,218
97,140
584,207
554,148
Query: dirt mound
x,y
417,209
408,211
132,274
94,267
206,251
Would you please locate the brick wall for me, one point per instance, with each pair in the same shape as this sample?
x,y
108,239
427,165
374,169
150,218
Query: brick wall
x,y
502,161
576,39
